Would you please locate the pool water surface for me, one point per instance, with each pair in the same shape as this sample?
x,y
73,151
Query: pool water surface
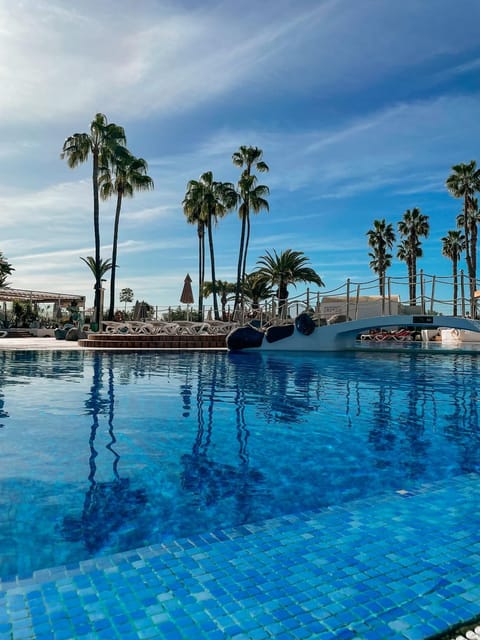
x,y
105,452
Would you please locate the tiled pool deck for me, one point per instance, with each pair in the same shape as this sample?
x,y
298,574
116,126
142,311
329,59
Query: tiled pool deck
x,y
402,565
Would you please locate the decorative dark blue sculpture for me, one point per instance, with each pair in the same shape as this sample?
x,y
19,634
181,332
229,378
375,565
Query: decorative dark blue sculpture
x,y
305,324
278,333
244,338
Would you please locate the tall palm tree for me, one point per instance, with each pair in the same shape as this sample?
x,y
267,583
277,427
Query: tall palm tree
x,y
210,200
380,238
413,226
129,175
452,246
469,220
193,215
284,269
463,183
252,197
102,143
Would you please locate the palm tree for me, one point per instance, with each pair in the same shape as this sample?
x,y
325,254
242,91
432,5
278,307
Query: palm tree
x,y
253,197
413,226
129,175
464,182
452,246
102,143
470,221
208,200
380,238
286,268
255,289
5,270
99,269
224,289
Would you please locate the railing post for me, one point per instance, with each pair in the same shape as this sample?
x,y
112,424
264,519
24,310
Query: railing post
x,y
462,288
348,299
389,285
422,291
433,295
356,302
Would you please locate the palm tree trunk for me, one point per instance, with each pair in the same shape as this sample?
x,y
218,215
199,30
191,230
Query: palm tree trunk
x,y
282,299
247,242
96,230
212,266
239,266
455,286
111,309
473,277
201,267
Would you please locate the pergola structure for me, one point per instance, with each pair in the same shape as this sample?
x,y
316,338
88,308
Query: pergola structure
x,y
24,295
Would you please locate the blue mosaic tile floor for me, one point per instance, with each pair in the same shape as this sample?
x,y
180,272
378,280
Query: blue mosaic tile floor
x,y
404,565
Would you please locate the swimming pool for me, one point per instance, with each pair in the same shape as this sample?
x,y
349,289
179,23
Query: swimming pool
x,y
107,452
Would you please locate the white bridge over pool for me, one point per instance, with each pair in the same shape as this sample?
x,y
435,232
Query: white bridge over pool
x,y
340,336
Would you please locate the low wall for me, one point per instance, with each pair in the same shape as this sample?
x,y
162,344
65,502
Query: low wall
x,y
174,342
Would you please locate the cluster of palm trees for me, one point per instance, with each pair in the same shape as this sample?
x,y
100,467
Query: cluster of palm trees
x,y
116,172
274,274
412,227
206,200
463,183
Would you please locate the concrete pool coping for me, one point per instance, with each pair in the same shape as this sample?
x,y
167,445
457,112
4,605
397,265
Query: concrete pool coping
x,y
337,572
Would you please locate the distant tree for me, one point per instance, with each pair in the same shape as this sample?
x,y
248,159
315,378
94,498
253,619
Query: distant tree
x,y
124,175
413,226
284,269
463,183
5,271
126,296
224,290
102,143
380,238
452,246
253,198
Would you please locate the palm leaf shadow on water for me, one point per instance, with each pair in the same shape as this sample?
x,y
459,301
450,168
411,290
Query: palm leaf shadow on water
x,y
107,505
211,481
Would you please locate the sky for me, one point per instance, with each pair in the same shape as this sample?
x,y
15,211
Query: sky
x,y
361,108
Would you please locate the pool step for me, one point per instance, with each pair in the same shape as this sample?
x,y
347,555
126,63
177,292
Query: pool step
x,y
129,341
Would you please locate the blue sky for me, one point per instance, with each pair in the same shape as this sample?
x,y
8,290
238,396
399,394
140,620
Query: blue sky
x,y
360,106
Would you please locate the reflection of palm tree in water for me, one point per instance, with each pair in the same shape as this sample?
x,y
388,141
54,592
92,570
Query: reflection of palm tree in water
x,y
211,481
107,505
462,426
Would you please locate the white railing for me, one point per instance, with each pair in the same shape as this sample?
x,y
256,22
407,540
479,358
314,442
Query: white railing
x,y
434,295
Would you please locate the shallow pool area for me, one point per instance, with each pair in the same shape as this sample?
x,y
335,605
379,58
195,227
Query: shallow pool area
x,y
238,495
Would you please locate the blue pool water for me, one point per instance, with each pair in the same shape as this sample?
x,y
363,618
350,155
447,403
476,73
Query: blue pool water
x,y
106,452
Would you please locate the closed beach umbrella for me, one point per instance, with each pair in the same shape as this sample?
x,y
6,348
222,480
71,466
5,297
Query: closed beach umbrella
x,y
187,293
